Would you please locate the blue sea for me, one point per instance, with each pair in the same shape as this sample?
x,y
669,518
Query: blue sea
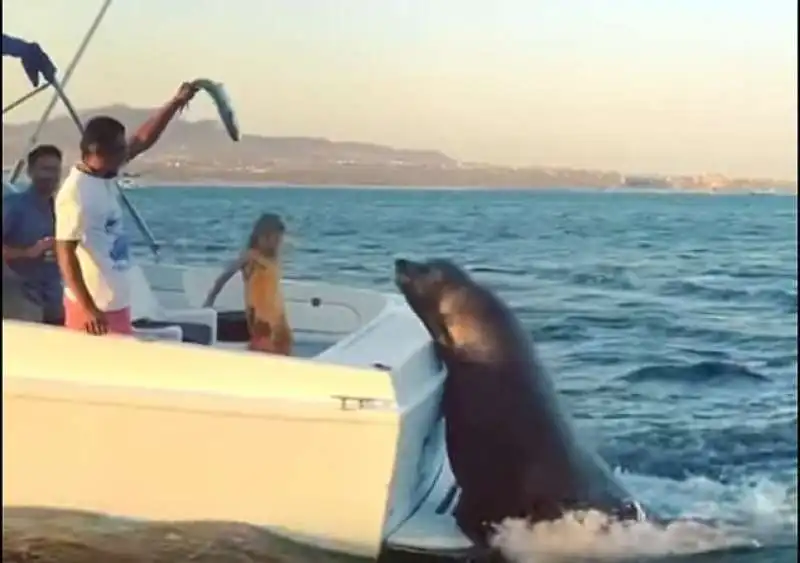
x,y
668,321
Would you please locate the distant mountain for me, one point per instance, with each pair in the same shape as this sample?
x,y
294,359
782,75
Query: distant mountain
x,y
200,151
206,142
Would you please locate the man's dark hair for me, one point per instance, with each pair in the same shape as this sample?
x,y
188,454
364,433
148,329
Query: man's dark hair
x,y
43,151
102,132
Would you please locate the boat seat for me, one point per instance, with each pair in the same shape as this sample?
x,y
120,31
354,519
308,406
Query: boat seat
x,y
169,333
194,333
196,287
198,325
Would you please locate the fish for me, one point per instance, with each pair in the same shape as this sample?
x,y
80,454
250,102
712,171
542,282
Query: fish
x,y
216,90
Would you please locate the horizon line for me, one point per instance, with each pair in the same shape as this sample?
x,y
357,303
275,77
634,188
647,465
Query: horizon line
x,y
63,113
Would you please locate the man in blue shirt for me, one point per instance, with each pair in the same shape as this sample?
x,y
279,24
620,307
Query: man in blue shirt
x,y
28,231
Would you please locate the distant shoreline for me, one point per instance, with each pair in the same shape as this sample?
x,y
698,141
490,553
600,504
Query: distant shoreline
x,y
194,155
220,184
217,184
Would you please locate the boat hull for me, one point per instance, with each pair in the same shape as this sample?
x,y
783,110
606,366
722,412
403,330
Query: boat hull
x,y
171,432
342,450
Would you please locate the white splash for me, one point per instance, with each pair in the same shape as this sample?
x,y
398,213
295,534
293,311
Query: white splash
x,y
710,516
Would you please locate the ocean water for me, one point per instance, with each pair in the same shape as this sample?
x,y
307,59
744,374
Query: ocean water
x,y
668,321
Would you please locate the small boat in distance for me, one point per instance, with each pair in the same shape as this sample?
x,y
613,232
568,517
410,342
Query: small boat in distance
x,y
129,181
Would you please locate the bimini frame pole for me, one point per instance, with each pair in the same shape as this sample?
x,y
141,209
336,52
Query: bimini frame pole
x,y
67,74
60,95
26,97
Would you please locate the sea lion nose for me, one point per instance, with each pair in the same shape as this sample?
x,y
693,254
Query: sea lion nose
x,y
400,264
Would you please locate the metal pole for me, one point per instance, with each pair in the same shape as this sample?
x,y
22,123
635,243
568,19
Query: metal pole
x,y
67,74
25,98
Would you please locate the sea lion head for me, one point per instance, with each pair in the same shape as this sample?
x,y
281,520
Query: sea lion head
x,y
442,295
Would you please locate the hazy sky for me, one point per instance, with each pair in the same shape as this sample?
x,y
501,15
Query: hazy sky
x,y
635,85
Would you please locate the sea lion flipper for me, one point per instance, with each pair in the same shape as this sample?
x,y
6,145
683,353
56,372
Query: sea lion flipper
x,y
467,515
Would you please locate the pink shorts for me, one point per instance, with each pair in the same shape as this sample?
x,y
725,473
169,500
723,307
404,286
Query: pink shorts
x,y
119,321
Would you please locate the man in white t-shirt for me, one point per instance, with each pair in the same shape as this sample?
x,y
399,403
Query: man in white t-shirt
x,y
92,247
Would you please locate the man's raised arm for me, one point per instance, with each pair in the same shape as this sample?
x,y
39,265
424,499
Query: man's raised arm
x,y
150,131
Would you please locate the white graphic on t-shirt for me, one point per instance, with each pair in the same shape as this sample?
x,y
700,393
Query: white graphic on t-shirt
x,y
120,247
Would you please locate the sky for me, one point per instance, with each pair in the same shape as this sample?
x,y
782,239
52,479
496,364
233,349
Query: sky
x,y
640,86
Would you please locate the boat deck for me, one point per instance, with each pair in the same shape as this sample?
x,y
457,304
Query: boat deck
x,y
303,348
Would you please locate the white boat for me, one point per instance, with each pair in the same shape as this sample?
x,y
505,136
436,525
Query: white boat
x,y
340,448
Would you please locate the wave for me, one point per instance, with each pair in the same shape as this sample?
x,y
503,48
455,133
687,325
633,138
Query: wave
x,y
785,299
703,447
700,372
496,270
607,277
706,517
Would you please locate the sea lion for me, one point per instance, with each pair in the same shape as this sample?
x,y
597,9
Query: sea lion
x,y
511,447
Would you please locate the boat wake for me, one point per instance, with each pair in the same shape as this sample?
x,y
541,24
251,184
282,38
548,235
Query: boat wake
x,y
707,517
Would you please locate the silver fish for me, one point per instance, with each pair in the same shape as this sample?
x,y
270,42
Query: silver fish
x,y
223,104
